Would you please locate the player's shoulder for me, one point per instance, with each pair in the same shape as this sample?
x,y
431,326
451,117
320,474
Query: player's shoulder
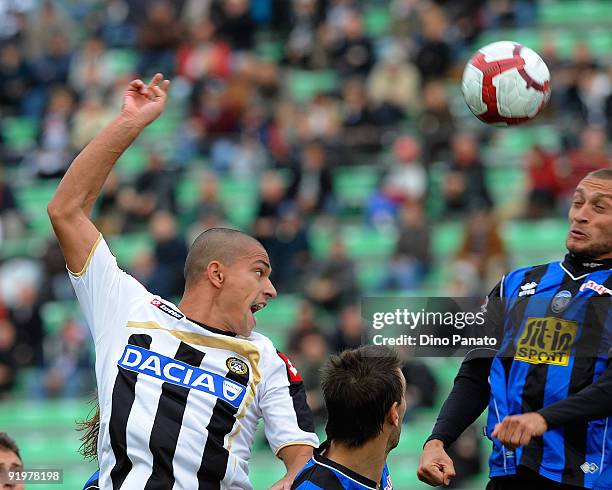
x,y
516,278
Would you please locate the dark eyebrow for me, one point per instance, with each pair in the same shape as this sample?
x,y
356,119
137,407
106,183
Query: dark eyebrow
x,y
264,263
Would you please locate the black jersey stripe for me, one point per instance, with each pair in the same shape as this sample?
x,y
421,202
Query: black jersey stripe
x,y
320,476
215,457
535,384
122,401
581,377
168,421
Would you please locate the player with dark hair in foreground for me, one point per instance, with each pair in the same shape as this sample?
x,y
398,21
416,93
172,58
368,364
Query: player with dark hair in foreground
x,y
549,384
364,391
180,388
10,460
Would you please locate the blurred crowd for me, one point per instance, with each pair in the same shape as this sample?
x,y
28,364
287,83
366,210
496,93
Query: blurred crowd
x,y
281,94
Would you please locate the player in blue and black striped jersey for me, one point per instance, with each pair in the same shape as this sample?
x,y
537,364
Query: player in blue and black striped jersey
x,y
548,385
364,391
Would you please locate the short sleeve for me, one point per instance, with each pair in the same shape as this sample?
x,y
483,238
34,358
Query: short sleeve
x,y
104,290
287,417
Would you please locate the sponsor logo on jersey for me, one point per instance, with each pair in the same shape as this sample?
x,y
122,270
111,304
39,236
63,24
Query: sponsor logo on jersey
x,y
598,288
560,301
587,467
528,289
294,375
236,365
546,340
149,363
388,484
167,309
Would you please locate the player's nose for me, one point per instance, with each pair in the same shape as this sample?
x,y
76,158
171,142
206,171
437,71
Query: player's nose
x,y
270,290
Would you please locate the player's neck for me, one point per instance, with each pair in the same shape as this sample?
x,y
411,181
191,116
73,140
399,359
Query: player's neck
x,y
195,308
367,460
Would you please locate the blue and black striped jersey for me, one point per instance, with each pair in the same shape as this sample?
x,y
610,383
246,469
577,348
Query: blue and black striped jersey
x,y
321,473
557,334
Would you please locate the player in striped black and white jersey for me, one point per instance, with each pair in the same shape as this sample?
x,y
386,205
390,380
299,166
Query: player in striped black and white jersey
x,y
180,388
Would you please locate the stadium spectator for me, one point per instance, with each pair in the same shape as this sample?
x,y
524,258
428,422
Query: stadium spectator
x,y
303,48
69,369
393,87
8,354
482,247
233,22
333,281
311,186
406,176
543,183
90,67
169,254
154,190
89,118
26,317
16,79
12,220
290,248
465,187
312,353
10,460
412,257
436,124
54,149
305,323
433,57
590,155
353,53
159,35
349,329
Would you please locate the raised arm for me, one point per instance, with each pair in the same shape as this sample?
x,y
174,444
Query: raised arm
x,y
70,208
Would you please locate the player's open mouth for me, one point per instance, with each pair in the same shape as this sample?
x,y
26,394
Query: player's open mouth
x,y
256,307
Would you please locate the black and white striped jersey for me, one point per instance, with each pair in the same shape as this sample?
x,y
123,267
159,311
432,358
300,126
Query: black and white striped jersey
x,y
180,401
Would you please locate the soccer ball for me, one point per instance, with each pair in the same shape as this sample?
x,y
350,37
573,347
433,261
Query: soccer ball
x,y
506,83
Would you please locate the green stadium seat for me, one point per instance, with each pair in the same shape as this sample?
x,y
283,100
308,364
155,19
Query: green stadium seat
x,y
370,273
133,161
55,313
447,238
30,246
353,185
573,12
377,20
280,312
239,198
127,247
526,237
505,182
122,62
306,84
33,200
20,132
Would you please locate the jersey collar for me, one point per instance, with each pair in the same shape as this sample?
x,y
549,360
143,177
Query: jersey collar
x,y
579,265
212,329
323,461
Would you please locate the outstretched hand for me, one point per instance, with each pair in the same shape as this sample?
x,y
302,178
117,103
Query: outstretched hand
x,y
142,103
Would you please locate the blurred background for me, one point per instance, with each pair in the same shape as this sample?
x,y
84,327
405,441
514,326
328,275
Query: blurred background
x,y
332,130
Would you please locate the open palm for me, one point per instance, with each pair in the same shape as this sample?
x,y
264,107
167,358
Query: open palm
x,y
143,103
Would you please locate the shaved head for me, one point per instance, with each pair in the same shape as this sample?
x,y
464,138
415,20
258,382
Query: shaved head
x,y
222,244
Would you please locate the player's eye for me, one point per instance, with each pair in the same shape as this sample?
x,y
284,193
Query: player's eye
x,y
577,202
259,272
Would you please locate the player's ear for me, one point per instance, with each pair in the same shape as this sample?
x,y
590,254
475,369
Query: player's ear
x,y
393,416
215,272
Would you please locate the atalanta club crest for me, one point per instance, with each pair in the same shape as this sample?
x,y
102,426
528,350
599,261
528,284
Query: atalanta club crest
x,y
560,301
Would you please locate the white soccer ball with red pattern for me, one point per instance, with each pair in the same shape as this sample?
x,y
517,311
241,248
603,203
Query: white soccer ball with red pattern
x,y
506,83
